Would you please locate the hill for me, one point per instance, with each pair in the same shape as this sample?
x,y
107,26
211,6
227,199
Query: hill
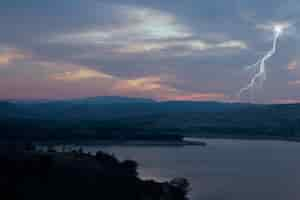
x,y
118,117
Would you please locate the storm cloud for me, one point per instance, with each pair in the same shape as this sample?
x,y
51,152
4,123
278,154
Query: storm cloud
x,y
180,50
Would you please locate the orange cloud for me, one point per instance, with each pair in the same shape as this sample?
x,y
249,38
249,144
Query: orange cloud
x,y
155,87
9,56
148,83
147,86
80,74
199,97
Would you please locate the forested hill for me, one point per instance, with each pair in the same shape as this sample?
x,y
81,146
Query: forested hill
x,y
106,116
106,108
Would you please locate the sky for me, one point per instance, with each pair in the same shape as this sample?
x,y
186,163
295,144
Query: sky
x,y
165,50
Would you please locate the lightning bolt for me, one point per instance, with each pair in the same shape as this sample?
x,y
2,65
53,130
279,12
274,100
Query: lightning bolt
x,y
261,63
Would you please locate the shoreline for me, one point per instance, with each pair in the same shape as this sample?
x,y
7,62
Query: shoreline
x,y
189,140
123,143
246,138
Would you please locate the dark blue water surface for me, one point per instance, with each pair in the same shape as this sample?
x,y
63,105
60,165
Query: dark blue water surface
x,y
224,169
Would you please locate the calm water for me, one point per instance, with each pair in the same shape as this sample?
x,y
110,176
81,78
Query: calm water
x,y
225,169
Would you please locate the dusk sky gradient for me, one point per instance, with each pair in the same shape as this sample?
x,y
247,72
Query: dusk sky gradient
x,y
165,50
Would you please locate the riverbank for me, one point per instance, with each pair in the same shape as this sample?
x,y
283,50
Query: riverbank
x,y
122,143
77,175
195,138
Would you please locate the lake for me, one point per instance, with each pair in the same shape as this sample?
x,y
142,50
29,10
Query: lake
x,y
224,169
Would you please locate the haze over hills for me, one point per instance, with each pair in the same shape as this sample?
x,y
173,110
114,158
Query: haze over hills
x,y
122,116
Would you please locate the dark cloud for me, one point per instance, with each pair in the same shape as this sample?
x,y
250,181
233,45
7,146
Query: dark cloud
x,y
204,44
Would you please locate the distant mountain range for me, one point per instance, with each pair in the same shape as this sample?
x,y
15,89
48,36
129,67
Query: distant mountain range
x,y
123,115
107,107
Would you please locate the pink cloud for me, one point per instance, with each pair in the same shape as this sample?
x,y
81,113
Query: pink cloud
x,y
294,82
63,80
197,96
10,55
292,65
286,101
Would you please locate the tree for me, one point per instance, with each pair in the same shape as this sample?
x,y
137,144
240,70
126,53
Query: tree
x,y
182,184
130,167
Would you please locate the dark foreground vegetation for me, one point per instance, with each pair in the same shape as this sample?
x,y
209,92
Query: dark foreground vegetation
x,y
118,118
76,175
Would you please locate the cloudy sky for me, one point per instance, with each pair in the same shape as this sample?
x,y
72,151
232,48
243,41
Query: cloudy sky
x,y
166,50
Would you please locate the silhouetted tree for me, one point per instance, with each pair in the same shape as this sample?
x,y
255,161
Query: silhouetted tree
x,y
106,158
182,184
130,167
